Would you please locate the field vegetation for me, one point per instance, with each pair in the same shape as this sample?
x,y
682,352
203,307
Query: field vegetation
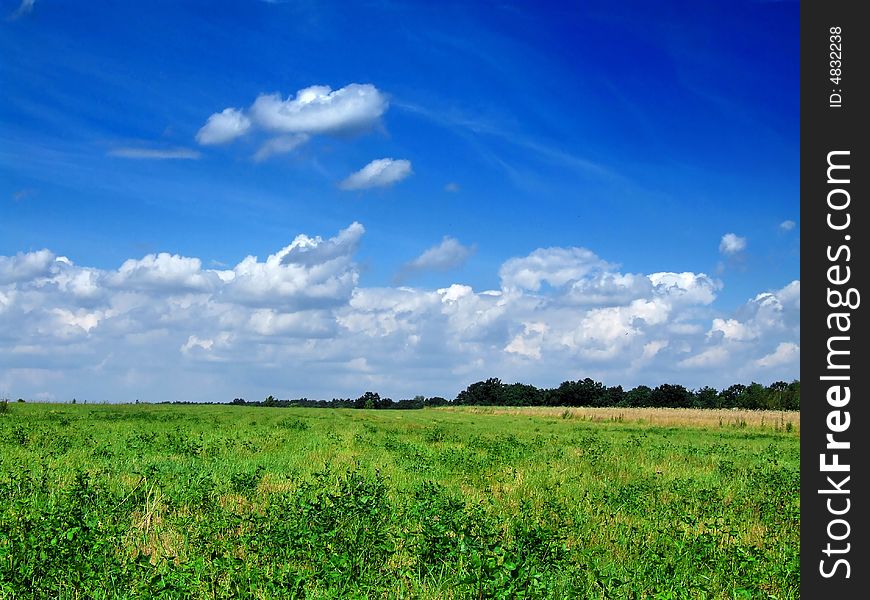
x,y
157,501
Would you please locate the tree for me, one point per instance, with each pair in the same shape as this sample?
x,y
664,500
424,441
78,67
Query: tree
x,y
639,396
615,395
792,399
521,394
369,400
579,393
435,401
753,397
668,395
706,397
482,393
730,396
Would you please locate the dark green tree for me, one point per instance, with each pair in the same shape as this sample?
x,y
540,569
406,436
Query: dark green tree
x,y
640,396
482,393
669,395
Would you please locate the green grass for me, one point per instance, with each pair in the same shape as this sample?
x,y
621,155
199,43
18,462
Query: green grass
x,y
144,501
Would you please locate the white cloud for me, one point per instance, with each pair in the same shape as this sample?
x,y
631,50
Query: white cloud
x,y
319,109
156,154
163,272
447,255
280,145
223,127
710,358
451,187
80,283
25,266
299,322
314,110
81,318
381,172
292,122
308,272
652,348
608,288
790,295
767,325
785,353
555,266
732,329
307,251
691,288
787,225
732,244
528,343
207,347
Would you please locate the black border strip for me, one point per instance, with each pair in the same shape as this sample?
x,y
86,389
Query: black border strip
x,y
835,225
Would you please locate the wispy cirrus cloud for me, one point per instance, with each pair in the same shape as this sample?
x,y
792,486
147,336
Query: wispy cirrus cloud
x,y
280,145
478,126
382,172
21,195
25,8
156,153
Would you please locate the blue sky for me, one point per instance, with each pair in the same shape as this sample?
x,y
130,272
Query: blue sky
x,y
488,189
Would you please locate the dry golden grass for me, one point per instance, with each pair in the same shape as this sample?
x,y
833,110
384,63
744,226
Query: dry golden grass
x,y
661,417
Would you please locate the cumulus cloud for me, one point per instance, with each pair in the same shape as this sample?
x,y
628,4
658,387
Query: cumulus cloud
x,y
555,266
712,357
382,172
449,254
163,272
156,154
308,272
223,127
787,225
732,244
319,109
604,288
310,251
25,266
766,327
690,288
299,322
314,110
529,342
732,329
785,353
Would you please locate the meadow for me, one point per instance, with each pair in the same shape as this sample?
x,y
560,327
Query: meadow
x,y
158,501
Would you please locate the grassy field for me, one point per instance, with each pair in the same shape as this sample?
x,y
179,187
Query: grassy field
x,y
136,501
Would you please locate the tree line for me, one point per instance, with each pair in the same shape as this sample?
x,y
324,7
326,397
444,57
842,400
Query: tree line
x,y
586,393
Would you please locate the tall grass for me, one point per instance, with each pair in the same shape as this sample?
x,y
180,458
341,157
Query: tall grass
x,y
232,502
